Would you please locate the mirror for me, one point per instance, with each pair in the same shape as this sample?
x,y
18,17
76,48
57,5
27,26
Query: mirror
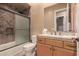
x,y
58,17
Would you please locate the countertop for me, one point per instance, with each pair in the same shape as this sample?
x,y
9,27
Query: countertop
x,y
60,37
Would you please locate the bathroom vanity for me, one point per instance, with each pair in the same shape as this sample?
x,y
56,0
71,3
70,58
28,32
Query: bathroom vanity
x,y
61,42
55,46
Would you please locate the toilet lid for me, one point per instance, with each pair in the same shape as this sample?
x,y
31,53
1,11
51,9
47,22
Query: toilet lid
x,y
29,45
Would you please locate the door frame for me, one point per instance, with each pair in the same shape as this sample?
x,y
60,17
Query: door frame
x,y
65,19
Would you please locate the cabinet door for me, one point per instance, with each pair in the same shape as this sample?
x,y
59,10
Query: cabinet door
x,y
43,50
63,52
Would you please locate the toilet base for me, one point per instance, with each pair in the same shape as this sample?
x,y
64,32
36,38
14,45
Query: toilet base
x,y
29,49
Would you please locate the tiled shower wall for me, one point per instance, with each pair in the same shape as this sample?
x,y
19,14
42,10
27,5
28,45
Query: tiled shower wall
x,y
6,27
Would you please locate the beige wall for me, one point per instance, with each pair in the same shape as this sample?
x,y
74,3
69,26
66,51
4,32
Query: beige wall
x,y
36,18
48,18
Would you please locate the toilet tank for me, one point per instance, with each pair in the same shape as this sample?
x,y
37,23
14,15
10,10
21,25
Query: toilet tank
x,y
34,38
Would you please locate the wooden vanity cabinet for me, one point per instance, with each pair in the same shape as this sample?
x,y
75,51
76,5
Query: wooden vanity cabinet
x,y
52,47
44,50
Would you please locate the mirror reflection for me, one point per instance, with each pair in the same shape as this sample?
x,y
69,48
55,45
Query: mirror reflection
x,y
58,18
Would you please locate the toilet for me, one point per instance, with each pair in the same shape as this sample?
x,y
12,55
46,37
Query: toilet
x,y
30,47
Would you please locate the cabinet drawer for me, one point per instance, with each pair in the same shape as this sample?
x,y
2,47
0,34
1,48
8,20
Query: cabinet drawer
x,y
41,40
54,42
59,43
70,45
50,41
